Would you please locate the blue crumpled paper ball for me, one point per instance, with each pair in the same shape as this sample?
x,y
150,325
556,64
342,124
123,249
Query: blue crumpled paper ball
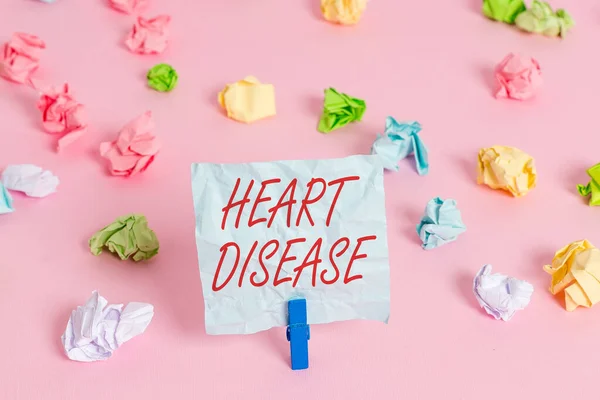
x,y
6,200
441,223
400,140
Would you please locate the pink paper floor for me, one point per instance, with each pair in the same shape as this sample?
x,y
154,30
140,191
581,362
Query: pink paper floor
x,y
429,61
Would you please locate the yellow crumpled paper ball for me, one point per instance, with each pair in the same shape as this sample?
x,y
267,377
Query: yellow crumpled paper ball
x,y
248,100
507,168
346,12
575,270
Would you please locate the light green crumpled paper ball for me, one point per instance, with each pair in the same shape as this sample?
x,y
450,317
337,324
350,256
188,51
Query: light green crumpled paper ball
x,y
127,236
162,77
540,18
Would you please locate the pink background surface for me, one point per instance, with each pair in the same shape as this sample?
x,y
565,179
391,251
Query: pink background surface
x,y
425,60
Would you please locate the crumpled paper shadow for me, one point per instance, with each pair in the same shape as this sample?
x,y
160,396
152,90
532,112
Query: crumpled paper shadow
x,y
62,318
314,8
475,6
410,219
464,286
468,168
314,107
488,78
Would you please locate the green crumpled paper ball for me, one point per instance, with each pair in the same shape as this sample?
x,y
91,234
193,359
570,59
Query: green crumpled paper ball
x,y
503,10
542,19
127,236
162,77
339,110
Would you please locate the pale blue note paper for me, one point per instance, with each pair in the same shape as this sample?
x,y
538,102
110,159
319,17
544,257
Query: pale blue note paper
x,y
358,213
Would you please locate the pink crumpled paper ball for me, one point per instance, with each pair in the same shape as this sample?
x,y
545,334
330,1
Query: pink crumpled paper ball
x,y
149,36
128,6
518,77
61,113
135,148
20,57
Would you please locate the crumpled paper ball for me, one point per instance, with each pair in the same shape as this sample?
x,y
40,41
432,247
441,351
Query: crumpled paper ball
x,y
441,224
503,10
592,189
6,201
499,295
127,236
518,77
20,57
248,100
62,114
345,12
575,270
149,36
135,147
541,18
30,179
339,110
162,78
400,140
129,6
96,329
506,168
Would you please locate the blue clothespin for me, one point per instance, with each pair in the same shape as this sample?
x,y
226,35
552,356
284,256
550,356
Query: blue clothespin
x,y
298,333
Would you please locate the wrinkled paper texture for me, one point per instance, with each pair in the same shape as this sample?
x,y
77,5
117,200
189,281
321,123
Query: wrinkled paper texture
x,y
345,12
134,149
575,269
400,140
506,168
441,223
541,18
518,77
359,211
592,189
96,329
30,179
127,236
499,295
248,100
503,10
339,110
6,201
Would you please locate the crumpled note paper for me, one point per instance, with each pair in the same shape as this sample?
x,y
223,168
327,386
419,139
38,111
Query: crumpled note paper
x,y
29,179
575,270
592,189
149,36
248,100
343,222
5,201
400,140
345,12
135,147
62,114
339,110
127,236
499,295
506,168
503,10
441,224
518,77
129,6
541,18
96,329
20,57
162,78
